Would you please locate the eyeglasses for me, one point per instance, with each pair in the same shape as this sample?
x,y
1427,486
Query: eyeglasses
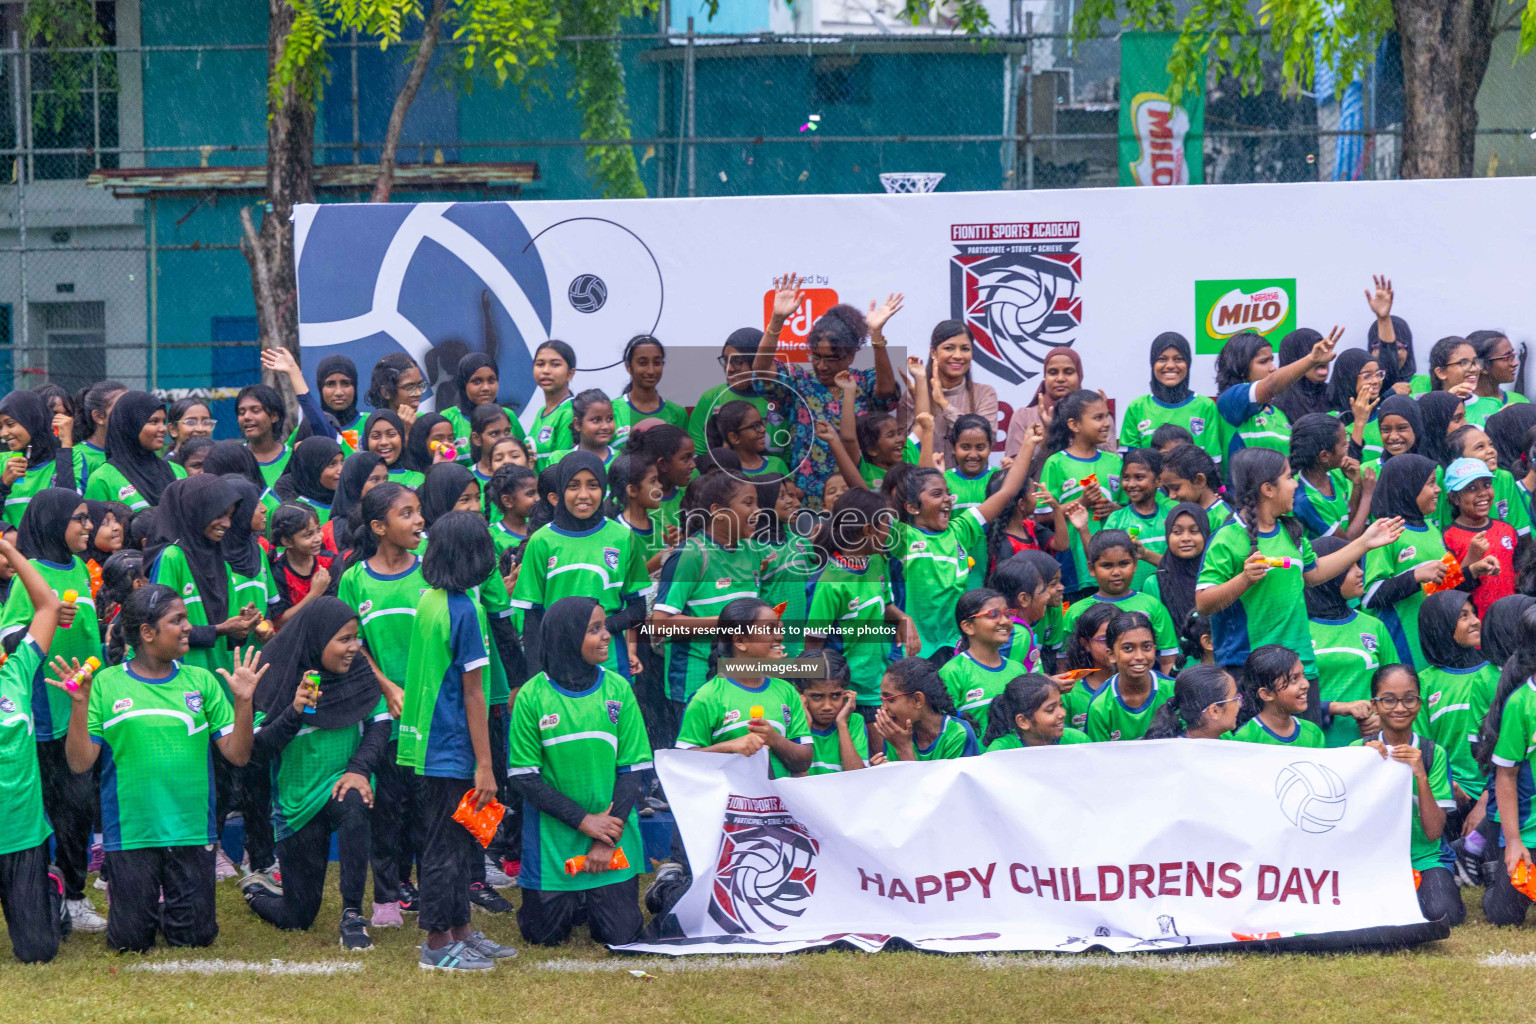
x,y
1462,364
740,362
83,518
756,428
831,360
990,614
1219,703
887,700
196,424
413,389
1374,375
1408,703
1507,357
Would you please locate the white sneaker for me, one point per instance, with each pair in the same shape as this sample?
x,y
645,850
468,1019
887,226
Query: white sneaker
x,y
100,883
83,916
494,876
223,867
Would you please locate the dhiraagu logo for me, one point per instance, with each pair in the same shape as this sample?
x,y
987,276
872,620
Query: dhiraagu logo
x,y
1266,306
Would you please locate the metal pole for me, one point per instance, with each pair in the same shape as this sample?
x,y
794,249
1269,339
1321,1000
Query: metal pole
x,y
356,127
1029,99
663,22
22,171
688,89
96,107
154,296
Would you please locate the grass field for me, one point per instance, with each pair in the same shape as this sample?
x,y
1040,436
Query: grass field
x,y
1479,973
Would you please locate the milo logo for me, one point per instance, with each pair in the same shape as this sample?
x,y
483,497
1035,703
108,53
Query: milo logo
x,y
1161,128
1224,308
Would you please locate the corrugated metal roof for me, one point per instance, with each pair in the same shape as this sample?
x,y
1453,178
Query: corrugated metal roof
x,y
138,181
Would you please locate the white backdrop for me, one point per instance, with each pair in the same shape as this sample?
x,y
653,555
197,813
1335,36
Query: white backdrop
x,y
1107,270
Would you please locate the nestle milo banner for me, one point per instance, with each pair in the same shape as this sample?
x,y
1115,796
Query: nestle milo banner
x,y
1161,142
1215,845
1102,270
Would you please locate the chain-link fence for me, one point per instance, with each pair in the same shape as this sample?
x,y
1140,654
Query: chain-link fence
x,y
110,268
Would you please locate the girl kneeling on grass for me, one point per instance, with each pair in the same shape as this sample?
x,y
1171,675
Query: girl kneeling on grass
x,y
917,718
1029,713
1505,745
830,702
1124,710
1204,706
157,792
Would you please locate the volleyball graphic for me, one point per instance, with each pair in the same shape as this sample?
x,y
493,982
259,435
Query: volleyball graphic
x,y
1311,796
587,293
765,871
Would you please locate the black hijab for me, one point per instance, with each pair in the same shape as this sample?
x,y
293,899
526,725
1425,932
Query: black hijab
x,y
1437,630
1501,627
418,454
1437,408
1507,429
240,547
1180,392
1306,395
467,368
1325,600
569,466
146,470
441,488
1404,407
308,462
388,416
1398,487
562,632
41,534
226,457
349,492
30,410
332,365
345,699
98,511
189,506
1395,374
1177,576
1342,384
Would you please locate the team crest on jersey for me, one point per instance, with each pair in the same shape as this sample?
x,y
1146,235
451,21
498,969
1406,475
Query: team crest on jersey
x,y
1115,735
1197,424
194,701
1503,513
1508,542
549,721
611,558
1114,483
766,869
125,492
732,717
1407,553
7,705
545,434
1368,642
187,590
614,707
975,694
118,707
784,711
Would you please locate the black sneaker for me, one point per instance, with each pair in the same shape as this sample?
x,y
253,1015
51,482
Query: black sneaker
x,y
483,897
410,899
670,882
354,930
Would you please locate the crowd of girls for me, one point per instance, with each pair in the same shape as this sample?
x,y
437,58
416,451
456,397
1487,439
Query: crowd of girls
x,y
360,614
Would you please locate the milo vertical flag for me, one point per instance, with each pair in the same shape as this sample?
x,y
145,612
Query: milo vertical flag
x,y
1161,142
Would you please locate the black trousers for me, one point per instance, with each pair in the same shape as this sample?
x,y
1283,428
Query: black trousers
x,y
447,856
1502,903
396,825
303,858
612,913
1439,897
70,803
496,727
247,789
184,874
31,904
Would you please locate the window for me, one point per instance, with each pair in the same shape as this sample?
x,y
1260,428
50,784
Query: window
x,y
73,104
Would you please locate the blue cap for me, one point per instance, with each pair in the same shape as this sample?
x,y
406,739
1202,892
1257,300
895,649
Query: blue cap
x,y
1462,472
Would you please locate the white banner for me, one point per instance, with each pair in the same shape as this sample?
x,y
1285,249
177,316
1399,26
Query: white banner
x,y
1102,270
1121,846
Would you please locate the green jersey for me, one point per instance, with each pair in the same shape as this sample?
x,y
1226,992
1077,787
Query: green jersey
x,y
625,416
1416,546
386,609
771,466
1247,424
550,434
847,608
603,562
460,423
108,483
968,490
1480,407
270,471
1370,440
698,580
156,759
1111,717
50,706
21,785
719,711
495,603
1347,652
259,590
1163,633
1196,414
407,478
668,513
973,686
305,771
779,434
1273,610
1303,733
87,458
38,478
504,537
1012,741
1419,384
172,570
577,742
1063,475
1424,850
936,567
956,738
447,644
1079,699
348,438
1516,742
1052,631
1151,530
827,748
1455,701
1323,512
788,566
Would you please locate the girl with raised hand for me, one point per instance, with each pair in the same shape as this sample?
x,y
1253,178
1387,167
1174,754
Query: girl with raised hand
x,y
979,670
1309,394
323,744
1016,530
1333,496
1347,646
1395,697
134,472
1145,515
1204,706
917,718
1402,425
645,359
830,704
1258,565
1275,692
1458,684
1390,340
36,462
93,408
313,472
384,434
1354,396
1087,652
336,377
1077,469
396,386
1189,474
580,761
550,436
736,359
740,427
26,892
1249,382
1188,531
1454,367
720,715
1124,709
1171,401
360,473
478,383
950,388
157,793
592,425
1029,713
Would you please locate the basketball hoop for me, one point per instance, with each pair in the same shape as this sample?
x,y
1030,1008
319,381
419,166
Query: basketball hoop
x,y
911,181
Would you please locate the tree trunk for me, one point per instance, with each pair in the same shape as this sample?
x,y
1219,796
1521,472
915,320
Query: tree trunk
x,y
1446,46
290,180
429,33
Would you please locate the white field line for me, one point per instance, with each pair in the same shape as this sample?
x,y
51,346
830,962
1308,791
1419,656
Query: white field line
x,y
1011,961
1505,958
273,967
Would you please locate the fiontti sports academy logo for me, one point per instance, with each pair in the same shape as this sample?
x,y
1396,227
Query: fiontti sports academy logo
x,y
1223,308
1016,285
1311,796
766,869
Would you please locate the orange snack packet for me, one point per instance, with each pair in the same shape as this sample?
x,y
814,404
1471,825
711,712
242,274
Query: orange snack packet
x,y
481,824
1524,881
1453,576
618,863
